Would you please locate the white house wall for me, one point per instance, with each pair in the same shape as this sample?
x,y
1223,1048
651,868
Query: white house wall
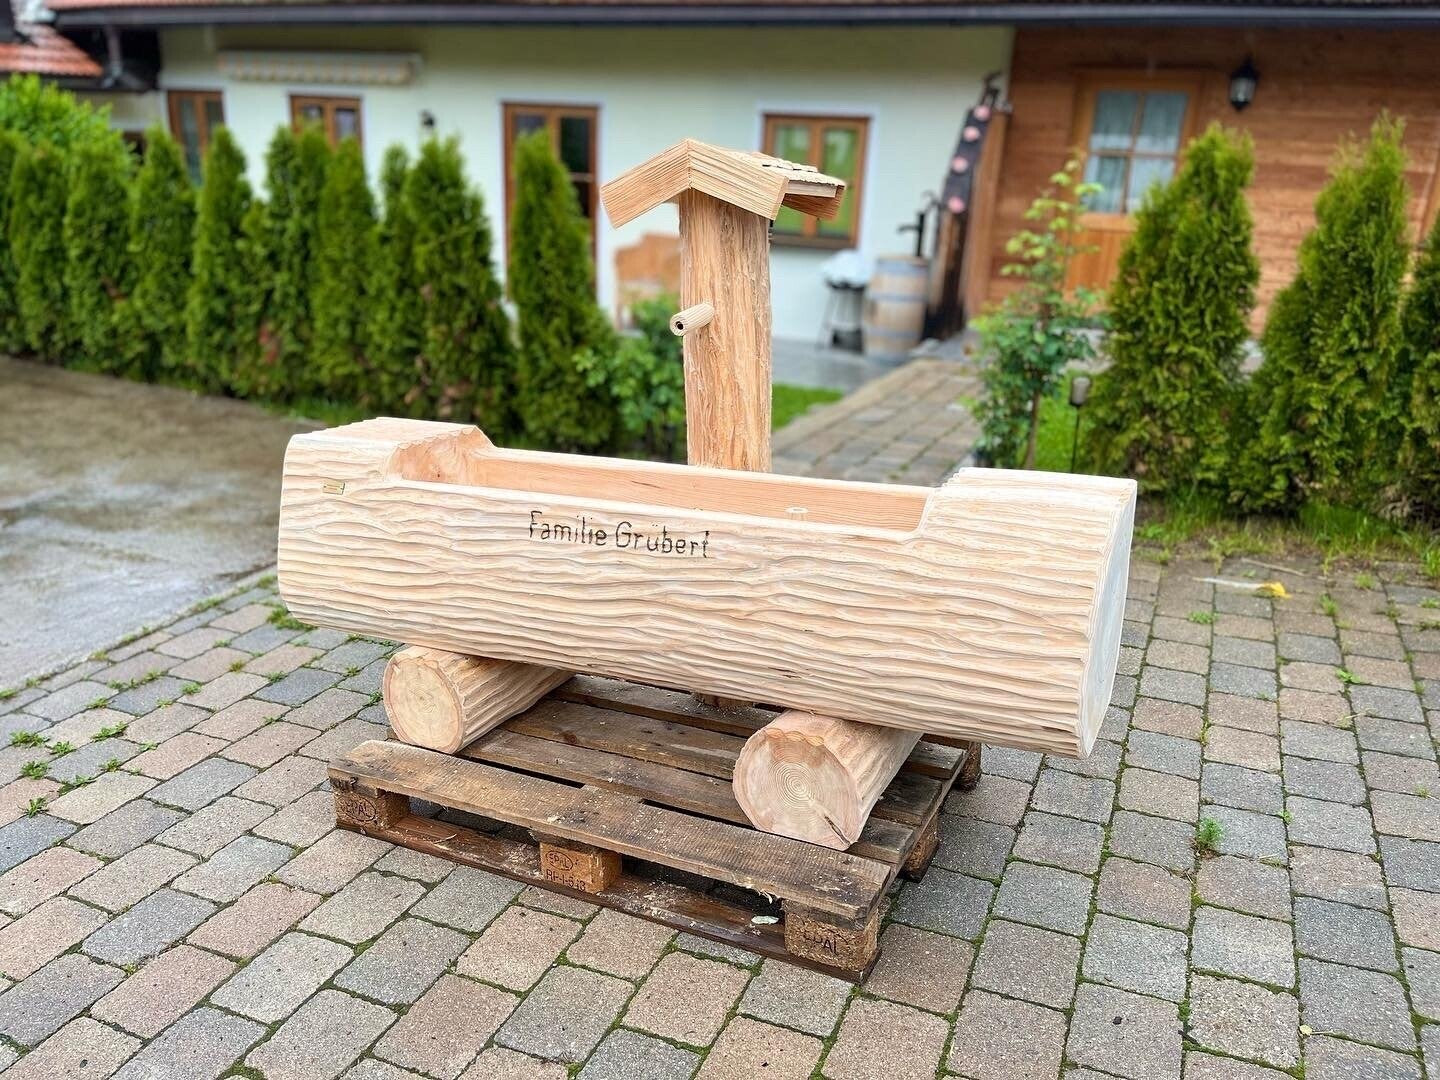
x,y
653,87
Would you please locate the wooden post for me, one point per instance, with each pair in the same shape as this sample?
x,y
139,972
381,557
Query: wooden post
x,y
725,261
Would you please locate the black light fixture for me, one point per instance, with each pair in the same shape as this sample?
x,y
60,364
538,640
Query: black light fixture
x,y
427,121
1079,394
1243,81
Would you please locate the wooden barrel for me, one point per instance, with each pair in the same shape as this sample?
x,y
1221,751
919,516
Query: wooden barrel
x,y
895,306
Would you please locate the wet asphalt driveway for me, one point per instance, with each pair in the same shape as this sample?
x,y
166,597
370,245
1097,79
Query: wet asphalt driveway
x,y
120,504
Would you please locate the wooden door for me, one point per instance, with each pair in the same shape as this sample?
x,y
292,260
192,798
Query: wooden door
x,y
1131,130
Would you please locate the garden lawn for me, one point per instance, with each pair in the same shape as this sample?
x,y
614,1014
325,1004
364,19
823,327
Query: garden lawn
x,y
787,402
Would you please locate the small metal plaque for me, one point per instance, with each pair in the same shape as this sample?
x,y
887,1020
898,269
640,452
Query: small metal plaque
x,y
333,487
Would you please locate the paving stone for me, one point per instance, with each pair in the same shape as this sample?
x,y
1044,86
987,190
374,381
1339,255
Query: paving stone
x,y
148,697
268,744
1316,678
1046,897
77,697
995,799
1367,1006
161,918
499,1063
209,665
301,823
370,1069
125,829
39,1005
1141,891
163,990
1394,737
285,781
1335,1059
1244,789
277,981
468,899
946,902
973,847
1123,1034
81,1049
1179,656
1168,718
1342,876
193,642
1185,687
1243,681
201,784
1422,978
1172,629
881,1039
1103,761
32,941
17,796
175,755
716,951
363,908
1324,780
240,719
1200,1066
1249,714
1344,934
1244,832
418,866
1028,963
1154,840
200,1046
1257,654
748,1049
321,1039
207,830
403,962
517,948
1387,702
628,1055
795,998
1060,841
1430,1038
564,1018
1245,1020
1318,741
232,870
1411,864
1161,794
298,687
1248,749
369,679
1387,646
328,708
353,654
327,865
343,738
127,880
1136,956
922,969
1417,917
1230,943
1245,885
1005,1040
1069,795
620,944
43,876
282,660
1391,772
686,999
96,760
443,1031
1317,650
1328,824
255,920
165,722
29,836
263,638
1406,815
1019,765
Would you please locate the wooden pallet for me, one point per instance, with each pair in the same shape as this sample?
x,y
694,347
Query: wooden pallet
x,y
620,794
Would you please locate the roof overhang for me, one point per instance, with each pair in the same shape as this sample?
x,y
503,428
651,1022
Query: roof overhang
x,y
160,13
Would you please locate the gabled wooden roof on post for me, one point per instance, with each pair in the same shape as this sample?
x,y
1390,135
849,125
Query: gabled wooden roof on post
x,y
752,181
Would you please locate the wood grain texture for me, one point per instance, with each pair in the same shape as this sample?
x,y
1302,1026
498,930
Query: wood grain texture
x,y
445,700
725,261
990,609
816,778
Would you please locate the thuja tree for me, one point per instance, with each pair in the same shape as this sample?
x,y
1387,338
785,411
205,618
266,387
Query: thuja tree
x,y
97,253
393,331
1326,423
37,243
345,250
12,337
162,226
1038,330
220,305
1178,322
41,112
1420,356
465,353
552,282
286,240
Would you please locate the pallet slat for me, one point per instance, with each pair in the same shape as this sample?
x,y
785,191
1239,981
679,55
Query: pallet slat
x,y
837,884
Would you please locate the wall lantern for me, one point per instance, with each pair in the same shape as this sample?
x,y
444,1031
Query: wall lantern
x,y
1243,81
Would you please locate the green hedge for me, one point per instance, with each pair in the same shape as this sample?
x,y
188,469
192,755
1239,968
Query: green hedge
x,y
306,296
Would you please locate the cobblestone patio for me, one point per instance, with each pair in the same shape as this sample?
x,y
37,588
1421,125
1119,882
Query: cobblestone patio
x,y
177,903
